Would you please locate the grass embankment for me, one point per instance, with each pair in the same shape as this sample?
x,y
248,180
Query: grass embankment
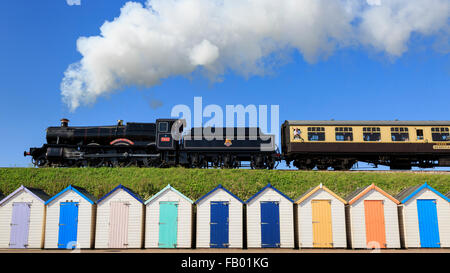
x,y
196,182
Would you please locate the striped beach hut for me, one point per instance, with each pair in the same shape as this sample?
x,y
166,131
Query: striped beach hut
x,y
270,219
372,219
219,219
168,221
425,217
22,218
321,219
70,220
120,219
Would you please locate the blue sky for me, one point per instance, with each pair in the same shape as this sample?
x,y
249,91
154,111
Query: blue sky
x,y
39,43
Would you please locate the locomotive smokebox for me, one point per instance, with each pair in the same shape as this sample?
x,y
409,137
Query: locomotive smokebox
x,y
64,122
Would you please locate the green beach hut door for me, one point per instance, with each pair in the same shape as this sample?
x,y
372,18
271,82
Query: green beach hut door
x,y
168,224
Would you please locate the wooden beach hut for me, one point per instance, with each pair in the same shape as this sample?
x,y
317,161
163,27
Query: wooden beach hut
x,y
321,219
270,219
22,218
219,220
120,219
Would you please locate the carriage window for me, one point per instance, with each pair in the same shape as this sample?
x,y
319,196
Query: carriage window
x,y
440,134
344,133
163,126
316,133
371,134
399,134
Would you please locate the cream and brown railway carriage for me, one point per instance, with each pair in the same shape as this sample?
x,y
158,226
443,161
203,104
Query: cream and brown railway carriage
x,y
340,144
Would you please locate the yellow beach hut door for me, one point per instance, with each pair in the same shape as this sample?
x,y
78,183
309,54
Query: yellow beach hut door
x,y
321,222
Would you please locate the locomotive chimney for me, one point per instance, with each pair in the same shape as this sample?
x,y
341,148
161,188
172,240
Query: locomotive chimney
x,y
64,122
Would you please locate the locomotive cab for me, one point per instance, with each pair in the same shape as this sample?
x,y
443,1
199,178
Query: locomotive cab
x,y
168,133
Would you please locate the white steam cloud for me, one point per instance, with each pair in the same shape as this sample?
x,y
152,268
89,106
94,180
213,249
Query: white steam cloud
x,y
163,38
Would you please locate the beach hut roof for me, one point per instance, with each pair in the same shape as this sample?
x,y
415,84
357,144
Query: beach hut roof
x,y
268,186
168,187
82,192
120,186
215,189
408,193
312,190
38,193
360,192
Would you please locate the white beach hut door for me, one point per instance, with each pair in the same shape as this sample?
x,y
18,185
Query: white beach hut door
x,y
118,229
20,224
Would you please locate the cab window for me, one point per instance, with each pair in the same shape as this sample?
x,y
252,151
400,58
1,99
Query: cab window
x,y
163,126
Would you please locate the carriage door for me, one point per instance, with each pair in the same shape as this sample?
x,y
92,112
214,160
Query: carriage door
x,y
375,227
219,225
168,224
428,223
321,222
270,224
68,224
20,224
118,226
419,135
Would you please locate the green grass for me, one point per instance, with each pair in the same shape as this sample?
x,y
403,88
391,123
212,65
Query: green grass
x,y
196,182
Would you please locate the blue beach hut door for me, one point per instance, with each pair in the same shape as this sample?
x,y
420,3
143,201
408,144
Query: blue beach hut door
x,y
168,224
219,225
68,225
428,223
270,224
20,224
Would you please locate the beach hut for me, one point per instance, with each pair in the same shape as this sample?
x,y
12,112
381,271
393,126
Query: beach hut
x,y
219,219
22,218
372,219
321,219
425,217
270,219
168,221
120,219
70,219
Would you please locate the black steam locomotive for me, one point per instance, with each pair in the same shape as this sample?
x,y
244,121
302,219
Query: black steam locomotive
x,y
159,144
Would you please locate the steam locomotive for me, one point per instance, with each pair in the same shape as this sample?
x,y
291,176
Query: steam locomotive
x,y
308,144
159,144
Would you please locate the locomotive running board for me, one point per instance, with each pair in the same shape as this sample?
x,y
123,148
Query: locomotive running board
x,y
119,155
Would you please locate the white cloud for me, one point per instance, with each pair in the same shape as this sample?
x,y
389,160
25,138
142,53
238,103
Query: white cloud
x,y
374,2
204,53
149,43
73,2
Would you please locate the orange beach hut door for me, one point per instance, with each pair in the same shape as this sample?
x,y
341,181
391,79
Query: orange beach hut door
x,y
375,227
321,220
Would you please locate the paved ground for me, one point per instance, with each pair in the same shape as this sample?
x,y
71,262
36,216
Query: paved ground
x,y
226,251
